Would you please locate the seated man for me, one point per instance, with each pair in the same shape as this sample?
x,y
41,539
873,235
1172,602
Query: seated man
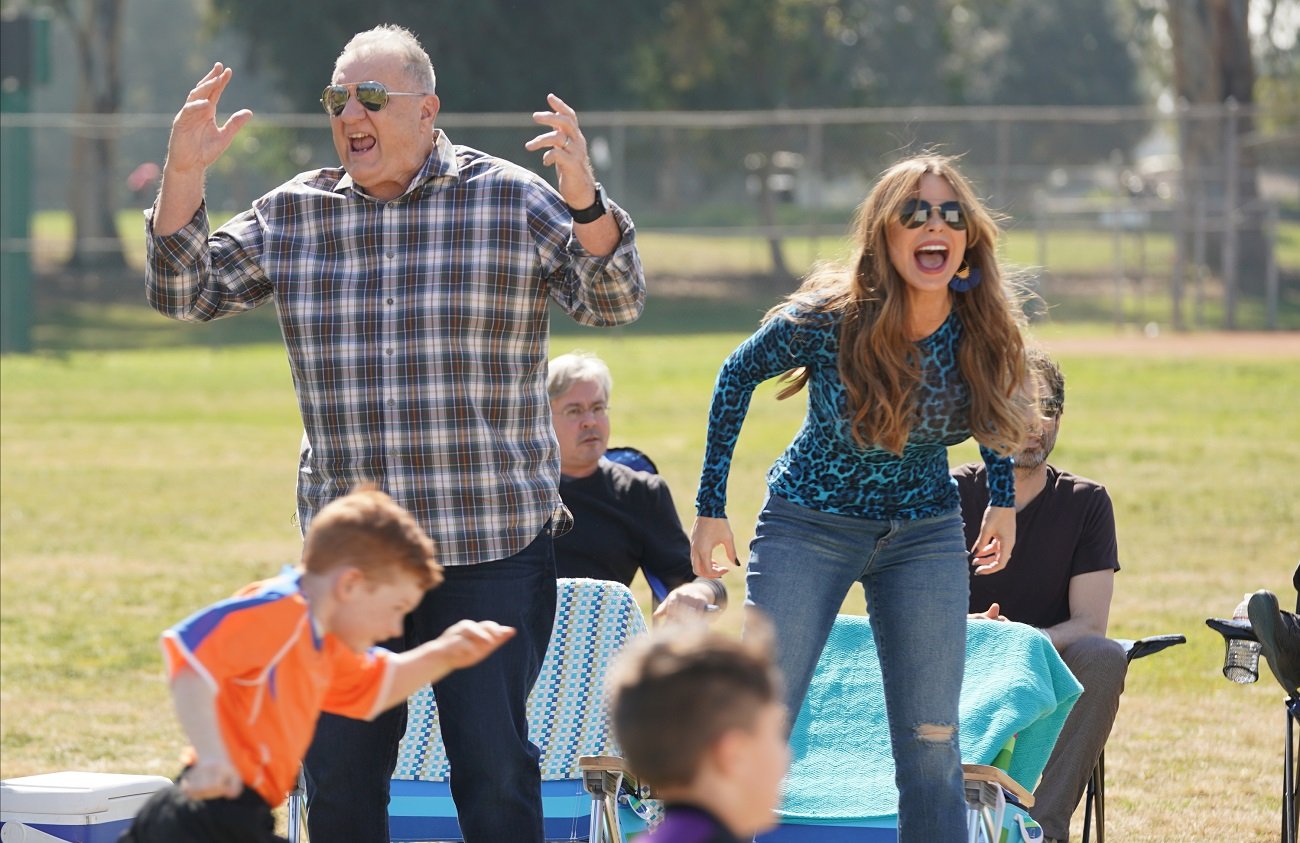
x,y
1060,579
623,519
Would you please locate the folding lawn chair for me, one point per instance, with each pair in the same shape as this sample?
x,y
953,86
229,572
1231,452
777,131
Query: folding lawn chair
x,y
640,461
567,719
1242,630
1015,698
1094,799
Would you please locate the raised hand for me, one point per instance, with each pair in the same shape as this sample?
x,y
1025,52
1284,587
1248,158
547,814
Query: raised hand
x,y
566,150
196,139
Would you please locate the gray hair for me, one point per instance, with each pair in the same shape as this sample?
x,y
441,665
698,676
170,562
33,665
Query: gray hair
x,y
577,367
392,40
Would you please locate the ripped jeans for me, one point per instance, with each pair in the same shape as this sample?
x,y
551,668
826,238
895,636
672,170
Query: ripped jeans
x,y
802,564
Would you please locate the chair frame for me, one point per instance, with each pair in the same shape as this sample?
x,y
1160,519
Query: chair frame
x,y
1095,795
986,787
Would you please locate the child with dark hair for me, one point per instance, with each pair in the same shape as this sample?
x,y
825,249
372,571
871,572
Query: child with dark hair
x,y
251,674
699,718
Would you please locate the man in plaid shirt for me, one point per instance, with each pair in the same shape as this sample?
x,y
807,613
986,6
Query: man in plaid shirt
x,y
411,285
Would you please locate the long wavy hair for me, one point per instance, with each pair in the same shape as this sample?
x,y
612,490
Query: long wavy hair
x,y
878,362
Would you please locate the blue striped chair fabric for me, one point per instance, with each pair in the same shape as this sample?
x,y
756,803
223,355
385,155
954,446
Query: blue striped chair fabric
x,y
567,718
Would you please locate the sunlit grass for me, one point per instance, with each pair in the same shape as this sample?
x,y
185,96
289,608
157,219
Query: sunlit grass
x,y
136,486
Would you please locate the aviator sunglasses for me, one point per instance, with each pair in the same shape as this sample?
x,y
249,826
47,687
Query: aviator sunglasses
x,y
373,95
916,213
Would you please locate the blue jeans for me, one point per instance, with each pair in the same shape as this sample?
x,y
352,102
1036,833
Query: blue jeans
x,y
495,780
802,564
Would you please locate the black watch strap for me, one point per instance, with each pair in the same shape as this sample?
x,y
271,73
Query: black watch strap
x,y
594,211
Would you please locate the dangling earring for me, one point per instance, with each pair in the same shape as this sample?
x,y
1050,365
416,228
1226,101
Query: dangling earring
x,y
967,278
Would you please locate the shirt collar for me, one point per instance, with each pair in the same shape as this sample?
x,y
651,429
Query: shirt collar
x,y
440,169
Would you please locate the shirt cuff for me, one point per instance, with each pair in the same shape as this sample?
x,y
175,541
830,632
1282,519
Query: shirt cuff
x,y
181,249
719,591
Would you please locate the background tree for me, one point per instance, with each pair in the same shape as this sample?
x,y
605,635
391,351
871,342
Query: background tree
x,y
490,55
1212,64
96,26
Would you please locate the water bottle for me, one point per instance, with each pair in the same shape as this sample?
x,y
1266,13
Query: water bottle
x,y
1241,664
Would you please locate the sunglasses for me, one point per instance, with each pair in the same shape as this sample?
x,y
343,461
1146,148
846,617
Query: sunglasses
x,y
373,95
916,213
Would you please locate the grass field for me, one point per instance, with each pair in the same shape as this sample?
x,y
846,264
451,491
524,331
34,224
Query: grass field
x,y
138,485
1065,252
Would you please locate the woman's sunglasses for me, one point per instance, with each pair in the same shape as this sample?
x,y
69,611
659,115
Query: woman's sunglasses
x,y
916,213
373,95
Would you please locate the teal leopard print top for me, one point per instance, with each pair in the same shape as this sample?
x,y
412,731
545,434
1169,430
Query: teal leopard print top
x,y
823,468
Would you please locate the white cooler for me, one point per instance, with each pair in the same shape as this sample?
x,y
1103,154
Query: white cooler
x,y
72,807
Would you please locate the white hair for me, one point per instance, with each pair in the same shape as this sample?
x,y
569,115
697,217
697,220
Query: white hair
x,y
392,40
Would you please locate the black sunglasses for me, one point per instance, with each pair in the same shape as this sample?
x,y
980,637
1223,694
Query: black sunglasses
x,y
916,213
373,95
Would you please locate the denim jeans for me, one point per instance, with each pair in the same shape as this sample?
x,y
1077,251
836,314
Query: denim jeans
x,y
802,564
495,780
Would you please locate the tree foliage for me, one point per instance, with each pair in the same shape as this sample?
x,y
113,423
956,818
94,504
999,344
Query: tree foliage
x,y
505,55
490,55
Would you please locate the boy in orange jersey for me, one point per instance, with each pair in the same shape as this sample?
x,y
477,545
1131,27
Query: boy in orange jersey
x,y
251,674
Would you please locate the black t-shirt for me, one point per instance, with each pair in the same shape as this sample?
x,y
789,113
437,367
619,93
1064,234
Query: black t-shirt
x,y
622,520
1069,529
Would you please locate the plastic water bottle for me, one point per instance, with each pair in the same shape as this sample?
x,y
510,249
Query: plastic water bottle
x,y
1241,664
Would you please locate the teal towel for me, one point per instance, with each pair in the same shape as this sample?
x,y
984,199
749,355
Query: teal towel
x,y
842,768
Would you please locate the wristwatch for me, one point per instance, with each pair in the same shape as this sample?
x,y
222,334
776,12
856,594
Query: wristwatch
x,y
594,211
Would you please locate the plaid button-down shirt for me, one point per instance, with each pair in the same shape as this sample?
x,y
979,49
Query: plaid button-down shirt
x,y
416,331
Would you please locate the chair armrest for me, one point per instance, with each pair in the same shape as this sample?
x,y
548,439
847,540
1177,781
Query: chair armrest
x,y
603,763
987,773
1232,630
1149,646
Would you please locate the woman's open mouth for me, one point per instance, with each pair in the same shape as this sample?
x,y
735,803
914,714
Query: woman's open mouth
x,y
932,257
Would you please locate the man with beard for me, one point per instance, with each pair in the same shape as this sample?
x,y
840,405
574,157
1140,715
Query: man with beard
x,y
1060,580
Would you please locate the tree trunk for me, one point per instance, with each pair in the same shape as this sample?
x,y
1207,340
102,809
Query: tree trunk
x,y
1212,65
96,243
767,216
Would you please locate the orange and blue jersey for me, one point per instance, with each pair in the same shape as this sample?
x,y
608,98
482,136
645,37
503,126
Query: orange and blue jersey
x,y
272,673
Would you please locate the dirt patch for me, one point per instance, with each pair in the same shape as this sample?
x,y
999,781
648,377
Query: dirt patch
x,y
1284,344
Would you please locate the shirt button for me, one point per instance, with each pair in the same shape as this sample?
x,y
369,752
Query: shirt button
x,y
390,299
388,351
389,255
391,402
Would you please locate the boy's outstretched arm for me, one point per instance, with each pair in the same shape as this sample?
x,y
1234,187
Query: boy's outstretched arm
x,y
465,643
212,775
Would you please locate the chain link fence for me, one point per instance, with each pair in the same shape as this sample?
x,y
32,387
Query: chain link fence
x,y
1187,216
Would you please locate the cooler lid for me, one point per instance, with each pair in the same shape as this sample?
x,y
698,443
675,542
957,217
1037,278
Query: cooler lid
x,y
73,792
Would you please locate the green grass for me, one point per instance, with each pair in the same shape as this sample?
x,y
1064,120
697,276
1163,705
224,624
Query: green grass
x,y
136,486
1067,252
